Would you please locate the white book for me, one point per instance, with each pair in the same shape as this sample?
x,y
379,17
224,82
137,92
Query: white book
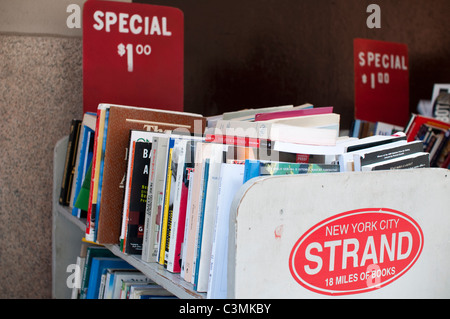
x,y
178,159
190,244
155,201
319,129
120,277
216,159
231,177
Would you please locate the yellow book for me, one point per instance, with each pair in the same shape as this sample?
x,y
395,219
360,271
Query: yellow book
x,y
162,248
90,231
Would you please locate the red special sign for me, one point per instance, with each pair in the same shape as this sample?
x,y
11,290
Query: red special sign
x,y
356,251
381,81
132,55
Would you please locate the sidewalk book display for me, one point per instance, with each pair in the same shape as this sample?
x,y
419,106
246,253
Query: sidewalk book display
x,y
224,202
260,203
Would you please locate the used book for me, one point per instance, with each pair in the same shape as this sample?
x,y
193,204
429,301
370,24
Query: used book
x,y
69,165
109,167
415,160
434,134
318,129
135,199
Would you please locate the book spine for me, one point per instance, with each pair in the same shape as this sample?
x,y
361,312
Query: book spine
x,y
127,197
251,169
138,198
390,153
443,152
149,225
419,161
172,258
165,219
157,208
186,225
66,185
235,140
90,219
193,215
100,175
80,169
201,216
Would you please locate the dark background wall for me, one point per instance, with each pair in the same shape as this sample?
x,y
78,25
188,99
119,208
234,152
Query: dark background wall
x,y
258,53
238,54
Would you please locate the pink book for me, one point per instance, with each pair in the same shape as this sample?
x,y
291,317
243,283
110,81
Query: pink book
x,y
292,113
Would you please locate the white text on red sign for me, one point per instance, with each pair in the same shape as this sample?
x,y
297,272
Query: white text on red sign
x,y
135,24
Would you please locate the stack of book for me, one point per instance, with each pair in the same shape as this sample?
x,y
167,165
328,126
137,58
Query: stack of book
x,y
435,135
361,128
160,183
99,274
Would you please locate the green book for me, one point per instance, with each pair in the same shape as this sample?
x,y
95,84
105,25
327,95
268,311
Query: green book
x,y
82,201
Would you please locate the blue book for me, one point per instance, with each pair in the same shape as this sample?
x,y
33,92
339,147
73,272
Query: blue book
x,y
87,139
201,218
100,178
251,169
84,160
97,267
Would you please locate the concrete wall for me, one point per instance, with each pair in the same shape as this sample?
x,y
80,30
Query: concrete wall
x,y
40,92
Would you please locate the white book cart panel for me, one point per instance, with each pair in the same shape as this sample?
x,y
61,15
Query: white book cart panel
x,y
357,235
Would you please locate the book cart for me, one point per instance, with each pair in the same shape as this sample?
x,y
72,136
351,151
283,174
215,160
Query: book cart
x,y
356,235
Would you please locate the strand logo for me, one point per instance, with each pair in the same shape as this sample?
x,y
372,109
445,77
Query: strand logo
x,y
356,251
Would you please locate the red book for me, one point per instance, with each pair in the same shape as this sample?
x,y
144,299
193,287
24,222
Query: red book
x,y
181,223
237,140
381,81
293,113
132,55
419,121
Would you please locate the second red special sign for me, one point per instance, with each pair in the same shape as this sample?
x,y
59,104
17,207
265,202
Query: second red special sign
x,y
356,251
381,81
133,54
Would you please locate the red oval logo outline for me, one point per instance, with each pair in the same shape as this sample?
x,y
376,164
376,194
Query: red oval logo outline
x,y
355,268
